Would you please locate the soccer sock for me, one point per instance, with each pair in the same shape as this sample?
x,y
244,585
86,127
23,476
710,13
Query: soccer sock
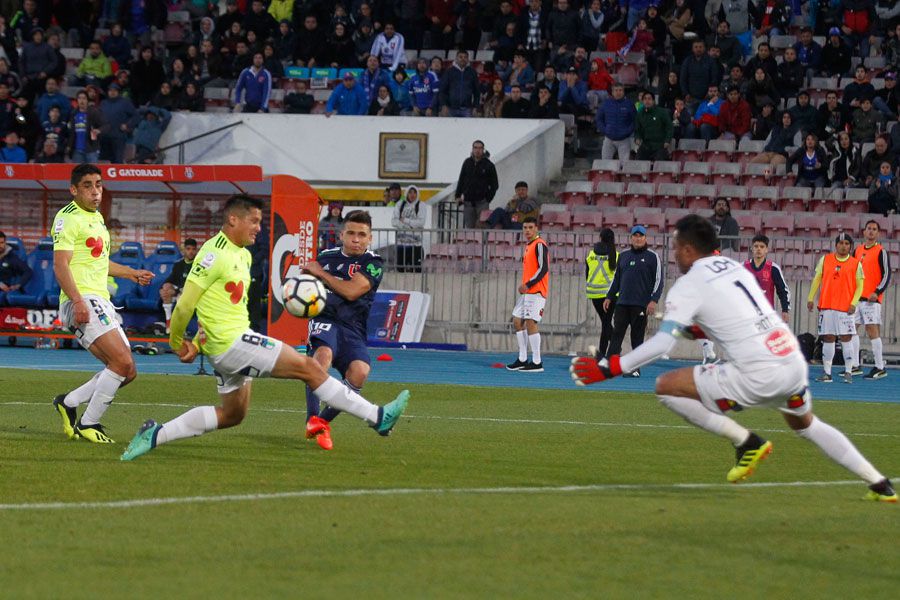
x,y
330,413
312,404
841,450
194,422
344,399
849,355
104,390
709,350
167,308
854,350
535,341
827,356
695,413
877,350
522,340
82,394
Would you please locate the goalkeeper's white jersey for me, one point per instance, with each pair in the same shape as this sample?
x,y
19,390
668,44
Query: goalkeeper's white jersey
x,y
723,298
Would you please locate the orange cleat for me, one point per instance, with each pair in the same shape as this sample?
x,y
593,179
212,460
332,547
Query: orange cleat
x,y
319,429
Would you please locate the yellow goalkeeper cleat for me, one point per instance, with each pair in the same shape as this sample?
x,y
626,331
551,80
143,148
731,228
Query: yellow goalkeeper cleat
x,y
93,433
748,459
881,492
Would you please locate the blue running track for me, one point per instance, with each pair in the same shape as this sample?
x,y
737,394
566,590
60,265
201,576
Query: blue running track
x,y
455,368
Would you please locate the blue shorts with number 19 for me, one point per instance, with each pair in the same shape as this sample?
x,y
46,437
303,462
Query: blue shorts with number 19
x,y
346,345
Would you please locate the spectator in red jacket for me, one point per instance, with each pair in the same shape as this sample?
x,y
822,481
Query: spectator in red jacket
x,y
734,117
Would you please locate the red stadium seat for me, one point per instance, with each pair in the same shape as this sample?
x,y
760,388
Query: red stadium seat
x,y
586,221
618,221
794,199
735,194
638,195
725,173
848,223
503,237
604,170
855,201
608,194
776,224
700,197
577,193
826,200
689,150
635,171
695,172
556,220
651,218
664,171
810,225
762,198
673,214
747,150
749,222
669,196
719,151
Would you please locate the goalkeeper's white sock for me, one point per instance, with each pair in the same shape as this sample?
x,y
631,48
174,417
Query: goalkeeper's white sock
x,y
194,422
167,308
708,349
847,350
535,340
827,356
522,340
878,351
854,350
339,396
841,450
104,391
82,394
695,413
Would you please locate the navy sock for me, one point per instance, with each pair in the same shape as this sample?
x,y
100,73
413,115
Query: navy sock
x,y
330,414
312,404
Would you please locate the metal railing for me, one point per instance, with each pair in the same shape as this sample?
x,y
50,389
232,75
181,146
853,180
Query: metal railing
x,y
180,145
472,276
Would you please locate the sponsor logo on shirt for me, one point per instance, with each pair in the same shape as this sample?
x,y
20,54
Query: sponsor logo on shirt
x,y
96,246
236,289
780,343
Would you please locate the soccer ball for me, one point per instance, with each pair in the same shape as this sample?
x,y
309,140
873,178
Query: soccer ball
x,y
304,296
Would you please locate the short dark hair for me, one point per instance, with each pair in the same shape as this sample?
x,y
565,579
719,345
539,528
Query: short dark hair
x,y
760,238
530,219
189,242
359,216
869,222
79,172
2,236
241,203
697,232
523,184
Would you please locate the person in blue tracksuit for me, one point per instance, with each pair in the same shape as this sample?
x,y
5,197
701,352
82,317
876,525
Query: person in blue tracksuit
x,y
347,99
254,86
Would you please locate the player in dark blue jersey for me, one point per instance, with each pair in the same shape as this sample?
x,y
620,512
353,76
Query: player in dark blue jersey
x,y
337,337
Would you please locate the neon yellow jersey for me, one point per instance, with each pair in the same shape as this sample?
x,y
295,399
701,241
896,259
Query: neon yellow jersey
x,y
222,269
85,234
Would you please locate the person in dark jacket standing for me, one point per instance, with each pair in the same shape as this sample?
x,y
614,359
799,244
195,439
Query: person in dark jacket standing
x,y
599,272
14,272
725,224
698,72
615,120
635,290
477,184
118,113
459,91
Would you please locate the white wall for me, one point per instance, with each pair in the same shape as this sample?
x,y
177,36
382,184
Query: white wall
x,y
345,149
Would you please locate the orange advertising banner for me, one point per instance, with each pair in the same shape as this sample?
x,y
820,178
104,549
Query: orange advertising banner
x,y
294,241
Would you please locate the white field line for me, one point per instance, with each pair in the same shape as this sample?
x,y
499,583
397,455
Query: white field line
x,y
471,419
564,489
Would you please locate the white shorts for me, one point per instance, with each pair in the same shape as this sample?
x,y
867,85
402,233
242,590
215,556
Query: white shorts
x,y
835,322
529,306
251,355
867,313
103,319
781,385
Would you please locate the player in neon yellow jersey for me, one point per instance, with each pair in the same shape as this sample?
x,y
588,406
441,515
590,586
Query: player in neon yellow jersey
x,y
81,265
217,290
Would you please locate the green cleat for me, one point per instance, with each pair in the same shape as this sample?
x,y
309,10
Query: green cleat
x,y
143,442
390,413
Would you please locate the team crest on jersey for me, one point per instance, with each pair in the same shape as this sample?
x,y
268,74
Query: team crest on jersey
x,y
352,269
208,260
58,226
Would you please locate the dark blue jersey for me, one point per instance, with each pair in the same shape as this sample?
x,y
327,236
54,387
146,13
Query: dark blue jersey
x,y
351,314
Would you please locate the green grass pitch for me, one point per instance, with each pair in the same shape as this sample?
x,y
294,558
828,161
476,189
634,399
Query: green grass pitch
x,y
431,511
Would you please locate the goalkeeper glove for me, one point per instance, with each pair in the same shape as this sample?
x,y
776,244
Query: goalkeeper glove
x,y
586,370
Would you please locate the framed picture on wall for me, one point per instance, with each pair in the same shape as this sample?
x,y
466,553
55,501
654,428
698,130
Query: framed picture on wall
x,y
402,155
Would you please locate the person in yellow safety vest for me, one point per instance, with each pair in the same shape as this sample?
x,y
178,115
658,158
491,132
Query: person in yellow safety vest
x,y
599,271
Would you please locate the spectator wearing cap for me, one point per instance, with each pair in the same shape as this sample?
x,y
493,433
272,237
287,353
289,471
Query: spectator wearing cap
x,y
573,98
832,117
858,89
734,117
459,90
118,116
635,291
615,121
865,122
812,163
423,90
804,114
347,98
254,86
887,99
513,214
330,227
389,48
652,130
835,55
726,226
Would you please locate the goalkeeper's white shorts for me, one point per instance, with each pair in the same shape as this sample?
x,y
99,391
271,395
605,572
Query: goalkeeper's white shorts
x,y
782,385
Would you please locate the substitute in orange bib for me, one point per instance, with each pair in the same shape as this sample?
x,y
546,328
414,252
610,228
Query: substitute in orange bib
x,y
877,271
532,295
841,277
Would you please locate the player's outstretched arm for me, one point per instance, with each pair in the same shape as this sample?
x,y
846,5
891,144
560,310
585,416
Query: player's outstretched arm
x,y
181,316
352,289
139,276
586,370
